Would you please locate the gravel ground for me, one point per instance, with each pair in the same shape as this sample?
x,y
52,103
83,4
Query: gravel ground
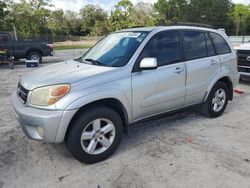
x,y
182,150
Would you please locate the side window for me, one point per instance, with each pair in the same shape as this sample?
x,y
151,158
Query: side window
x,y
3,38
210,48
165,47
220,44
194,45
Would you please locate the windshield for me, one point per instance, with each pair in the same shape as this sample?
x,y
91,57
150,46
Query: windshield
x,y
115,50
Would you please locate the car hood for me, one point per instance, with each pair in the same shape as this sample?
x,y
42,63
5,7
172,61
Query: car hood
x,y
65,72
244,46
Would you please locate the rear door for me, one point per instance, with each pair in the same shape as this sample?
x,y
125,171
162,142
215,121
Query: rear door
x,y
163,89
227,56
202,64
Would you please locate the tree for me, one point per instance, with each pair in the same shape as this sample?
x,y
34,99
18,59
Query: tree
x,y
28,19
56,22
142,14
90,14
240,14
72,23
121,16
37,4
169,11
3,15
213,12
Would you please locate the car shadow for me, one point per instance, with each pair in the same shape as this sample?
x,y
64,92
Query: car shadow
x,y
140,132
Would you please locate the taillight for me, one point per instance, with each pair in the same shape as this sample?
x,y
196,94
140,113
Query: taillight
x,y
50,45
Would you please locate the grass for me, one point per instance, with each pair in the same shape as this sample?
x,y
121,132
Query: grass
x,y
69,47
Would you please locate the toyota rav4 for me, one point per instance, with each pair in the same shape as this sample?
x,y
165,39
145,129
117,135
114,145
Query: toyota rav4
x,y
127,77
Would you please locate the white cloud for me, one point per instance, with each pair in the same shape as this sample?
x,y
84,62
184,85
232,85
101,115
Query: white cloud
x,y
74,5
245,2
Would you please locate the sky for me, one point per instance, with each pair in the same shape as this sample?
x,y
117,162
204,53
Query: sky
x,y
76,5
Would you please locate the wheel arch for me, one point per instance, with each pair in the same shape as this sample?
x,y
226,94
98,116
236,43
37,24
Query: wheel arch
x,y
227,80
112,103
33,50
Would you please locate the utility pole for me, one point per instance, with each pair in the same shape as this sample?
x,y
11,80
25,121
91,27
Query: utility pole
x,y
238,24
14,30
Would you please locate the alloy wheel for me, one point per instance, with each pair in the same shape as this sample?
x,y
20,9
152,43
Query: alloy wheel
x,y
218,100
98,136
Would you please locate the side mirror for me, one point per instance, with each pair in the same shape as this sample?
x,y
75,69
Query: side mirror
x,y
148,63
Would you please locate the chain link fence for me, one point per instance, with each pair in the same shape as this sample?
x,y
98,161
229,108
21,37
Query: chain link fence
x,y
238,40
76,42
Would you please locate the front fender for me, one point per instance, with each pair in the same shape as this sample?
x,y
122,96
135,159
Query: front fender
x,y
100,95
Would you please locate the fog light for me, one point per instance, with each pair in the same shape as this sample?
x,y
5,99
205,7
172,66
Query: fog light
x,y
40,131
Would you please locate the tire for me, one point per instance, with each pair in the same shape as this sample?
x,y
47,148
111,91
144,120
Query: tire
x,y
209,107
78,141
35,56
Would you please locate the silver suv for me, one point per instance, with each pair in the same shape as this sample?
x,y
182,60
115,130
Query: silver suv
x,y
128,76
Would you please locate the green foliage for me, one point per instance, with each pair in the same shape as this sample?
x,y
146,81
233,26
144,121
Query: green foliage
x,y
121,16
30,18
170,11
91,15
240,14
213,12
142,15
33,17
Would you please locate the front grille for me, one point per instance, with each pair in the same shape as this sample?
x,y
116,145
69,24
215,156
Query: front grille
x,y
22,93
244,69
243,59
243,52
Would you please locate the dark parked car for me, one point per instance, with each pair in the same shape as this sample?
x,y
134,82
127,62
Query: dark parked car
x,y
25,49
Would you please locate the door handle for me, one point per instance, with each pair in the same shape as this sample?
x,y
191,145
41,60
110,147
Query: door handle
x,y
178,70
213,62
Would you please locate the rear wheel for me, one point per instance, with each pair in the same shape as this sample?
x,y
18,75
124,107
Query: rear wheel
x,y
217,100
95,134
35,56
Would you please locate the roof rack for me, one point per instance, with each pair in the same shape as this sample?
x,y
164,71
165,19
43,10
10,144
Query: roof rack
x,y
194,24
137,26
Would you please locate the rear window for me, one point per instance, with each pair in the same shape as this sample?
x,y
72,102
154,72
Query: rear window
x,y
220,43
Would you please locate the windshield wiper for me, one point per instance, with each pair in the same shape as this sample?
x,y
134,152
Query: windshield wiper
x,y
78,59
95,62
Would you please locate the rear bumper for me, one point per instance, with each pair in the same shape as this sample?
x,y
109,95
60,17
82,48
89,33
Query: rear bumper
x,y
48,52
43,125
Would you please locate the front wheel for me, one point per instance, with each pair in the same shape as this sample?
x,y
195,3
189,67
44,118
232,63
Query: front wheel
x,y
217,100
95,134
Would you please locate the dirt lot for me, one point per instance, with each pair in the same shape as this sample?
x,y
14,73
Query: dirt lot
x,y
183,150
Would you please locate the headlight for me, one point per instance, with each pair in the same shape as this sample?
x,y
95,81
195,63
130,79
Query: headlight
x,y
48,95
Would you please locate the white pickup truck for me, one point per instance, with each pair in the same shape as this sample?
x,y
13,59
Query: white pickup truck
x,y
243,52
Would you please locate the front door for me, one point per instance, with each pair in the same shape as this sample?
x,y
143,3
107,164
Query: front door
x,y
163,89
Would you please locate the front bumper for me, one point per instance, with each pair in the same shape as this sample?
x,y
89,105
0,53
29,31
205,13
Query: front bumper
x,y
244,74
54,124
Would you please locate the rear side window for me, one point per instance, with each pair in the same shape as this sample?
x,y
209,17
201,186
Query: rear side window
x,y
220,44
194,45
165,47
210,48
